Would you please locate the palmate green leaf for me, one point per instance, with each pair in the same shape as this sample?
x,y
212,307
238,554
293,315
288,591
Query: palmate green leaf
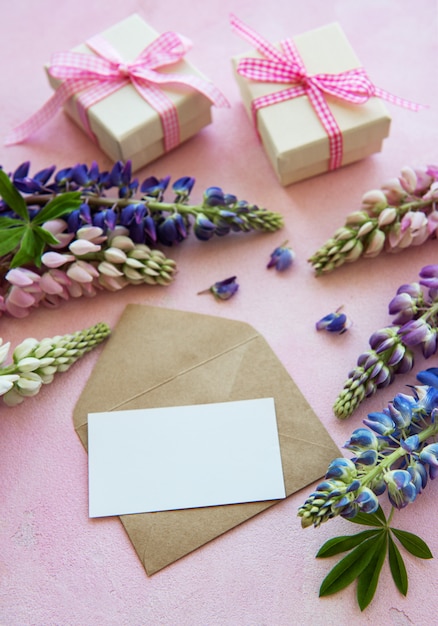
x,y
30,250
413,544
10,239
349,568
397,567
45,235
12,197
369,578
10,222
59,206
370,519
343,543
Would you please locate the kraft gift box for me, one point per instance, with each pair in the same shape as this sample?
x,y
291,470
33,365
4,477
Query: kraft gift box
x,y
124,124
293,137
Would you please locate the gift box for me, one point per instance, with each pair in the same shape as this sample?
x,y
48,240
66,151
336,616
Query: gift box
x,y
295,140
123,123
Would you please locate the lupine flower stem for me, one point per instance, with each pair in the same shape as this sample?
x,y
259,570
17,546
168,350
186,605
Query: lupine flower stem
x,y
401,214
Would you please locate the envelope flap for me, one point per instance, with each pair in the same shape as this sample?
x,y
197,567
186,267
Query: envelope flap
x,y
149,347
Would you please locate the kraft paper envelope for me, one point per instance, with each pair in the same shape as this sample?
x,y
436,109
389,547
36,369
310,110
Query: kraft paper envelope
x,y
159,357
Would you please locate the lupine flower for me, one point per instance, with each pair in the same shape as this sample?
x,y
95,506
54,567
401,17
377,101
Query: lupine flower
x,y
223,289
399,215
85,269
79,197
281,258
404,454
35,363
336,322
415,327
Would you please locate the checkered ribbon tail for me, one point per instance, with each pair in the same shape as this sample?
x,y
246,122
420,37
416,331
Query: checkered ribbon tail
x,y
93,78
286,66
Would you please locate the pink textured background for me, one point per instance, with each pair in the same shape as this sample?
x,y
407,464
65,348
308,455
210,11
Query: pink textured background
x,y
56,565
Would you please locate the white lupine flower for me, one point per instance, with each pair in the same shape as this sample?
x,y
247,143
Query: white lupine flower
x,y
24,349
7,382
42,360
4,349
28,364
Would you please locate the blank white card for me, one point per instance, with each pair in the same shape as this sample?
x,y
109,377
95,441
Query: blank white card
x,y
183,457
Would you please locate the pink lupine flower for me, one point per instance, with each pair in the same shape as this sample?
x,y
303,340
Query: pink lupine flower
x,y
393,191
55,259
91,233
80,247
22,277
58,229
82,272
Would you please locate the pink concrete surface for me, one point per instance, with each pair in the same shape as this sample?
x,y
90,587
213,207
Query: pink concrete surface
x,y
57,567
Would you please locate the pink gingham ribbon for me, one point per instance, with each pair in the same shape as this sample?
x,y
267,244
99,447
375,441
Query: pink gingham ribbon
x,y
287,67
96,77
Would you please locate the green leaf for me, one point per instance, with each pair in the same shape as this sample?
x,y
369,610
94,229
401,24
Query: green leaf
x,y
45,235
370,519
10,222
348,568
10,240
12,197
344,543
65,203
30,250
413,544
369,578
397,567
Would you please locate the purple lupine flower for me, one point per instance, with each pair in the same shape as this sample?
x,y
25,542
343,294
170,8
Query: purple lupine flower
x,y
214,196
429,276
203,228
154,187
183,188
334,323
223,289
281,258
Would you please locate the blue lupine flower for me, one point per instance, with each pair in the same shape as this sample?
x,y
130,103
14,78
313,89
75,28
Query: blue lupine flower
x,y
153,187
367,457
362,439
334,323
183,188
418,475
214,196
341,469
223,289
381,423
281,258
429,377
429,454
401,489
203,228
171,229
410,444
35,184
367,501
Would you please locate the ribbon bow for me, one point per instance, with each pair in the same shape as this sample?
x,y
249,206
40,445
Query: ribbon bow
x,y
286,66
96,77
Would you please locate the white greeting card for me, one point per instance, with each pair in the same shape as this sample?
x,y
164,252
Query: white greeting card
x,y
183,457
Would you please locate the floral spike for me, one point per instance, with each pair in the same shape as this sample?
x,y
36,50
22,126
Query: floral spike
x,y
36,362
415,326
396,452
399,215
